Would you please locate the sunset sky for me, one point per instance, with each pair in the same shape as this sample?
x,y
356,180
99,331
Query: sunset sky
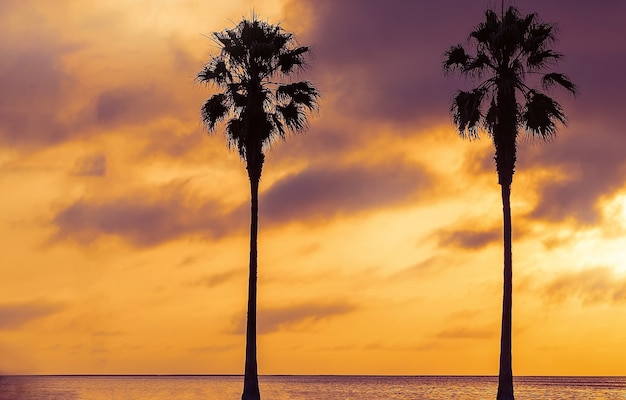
x,y
124,225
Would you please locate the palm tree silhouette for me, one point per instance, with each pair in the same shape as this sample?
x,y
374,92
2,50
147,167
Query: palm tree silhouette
x,y
260,104
507,49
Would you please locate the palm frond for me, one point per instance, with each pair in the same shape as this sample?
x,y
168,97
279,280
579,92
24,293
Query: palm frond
x,y
492,116
541,114
288,60
236,91
510,35
235,135
477,65
504,49
278,123
252,69
466,112
539,59
455,57
214,110
302,93
552,79
293,115
217,72
231,45
281,39
525,23
538,37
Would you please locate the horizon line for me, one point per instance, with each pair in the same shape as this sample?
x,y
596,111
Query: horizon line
x,y
313,375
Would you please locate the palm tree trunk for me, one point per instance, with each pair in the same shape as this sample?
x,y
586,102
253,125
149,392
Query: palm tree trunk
x,y
505,376
251,379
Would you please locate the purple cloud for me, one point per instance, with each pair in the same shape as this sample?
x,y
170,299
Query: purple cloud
x,y
469,238
15,315
323,193
382,61
285,318
143,219
591,286
95,165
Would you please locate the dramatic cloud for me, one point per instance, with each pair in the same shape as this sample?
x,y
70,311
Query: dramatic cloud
x,y
99,125
591,286
143,218
383,63
598,168
150,217
327,192
469,239
374,60
275,319
15,315
131,105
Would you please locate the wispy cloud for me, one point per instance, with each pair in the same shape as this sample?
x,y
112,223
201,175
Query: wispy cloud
x,y
144,218
16,315
466,332
326,192
213,280
94,165
469,238
289,318
590,285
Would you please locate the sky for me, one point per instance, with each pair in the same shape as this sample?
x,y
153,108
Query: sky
x,y
125,225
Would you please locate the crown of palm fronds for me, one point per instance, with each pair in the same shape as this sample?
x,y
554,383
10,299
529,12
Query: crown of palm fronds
x,y
257,98
507,49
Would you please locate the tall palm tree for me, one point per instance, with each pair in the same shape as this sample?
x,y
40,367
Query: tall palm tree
x,y
507,51
259,103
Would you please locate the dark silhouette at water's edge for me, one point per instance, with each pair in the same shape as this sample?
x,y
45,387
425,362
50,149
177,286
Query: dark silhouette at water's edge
x,y
506,47
254,56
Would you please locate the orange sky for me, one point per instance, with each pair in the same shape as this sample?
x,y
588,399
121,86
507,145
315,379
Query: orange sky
x,y
125,227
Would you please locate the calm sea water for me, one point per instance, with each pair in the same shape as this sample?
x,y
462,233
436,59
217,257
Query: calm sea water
x,y
304,387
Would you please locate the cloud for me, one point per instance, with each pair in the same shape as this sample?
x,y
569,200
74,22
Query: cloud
x,y
151,216
213,280
326,143
131,105
61,84
468,238
381,63
94,165
174,141
106,333
15,315
425,268
33,92
324,192
591,286
467,333
144,218
291,317
375,57
213,348
594,166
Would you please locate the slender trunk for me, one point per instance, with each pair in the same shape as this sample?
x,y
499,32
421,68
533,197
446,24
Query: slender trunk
x,y
505,376
251,379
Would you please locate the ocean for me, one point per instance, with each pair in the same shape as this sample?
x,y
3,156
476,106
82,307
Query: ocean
x,y
214,387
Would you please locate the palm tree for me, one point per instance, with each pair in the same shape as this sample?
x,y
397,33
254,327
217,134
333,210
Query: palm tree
x,y
507,49
259,104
